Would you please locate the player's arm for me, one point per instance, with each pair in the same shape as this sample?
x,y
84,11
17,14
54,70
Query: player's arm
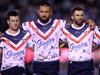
x,y
1,47
96,39
63,48
62,40
31,43
95,46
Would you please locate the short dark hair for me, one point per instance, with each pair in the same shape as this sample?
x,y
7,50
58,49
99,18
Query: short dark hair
x,y
44,3
77,8
12,13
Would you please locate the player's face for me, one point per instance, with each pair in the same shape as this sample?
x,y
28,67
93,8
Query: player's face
x,y
13,22
44,13
78,17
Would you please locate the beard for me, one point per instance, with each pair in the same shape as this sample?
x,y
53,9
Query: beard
x,y
79,22
44,19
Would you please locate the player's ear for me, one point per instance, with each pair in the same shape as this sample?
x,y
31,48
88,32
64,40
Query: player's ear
x,y
72,17
7,21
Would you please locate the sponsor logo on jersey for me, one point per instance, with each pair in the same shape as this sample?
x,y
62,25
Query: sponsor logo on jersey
x,y
44,44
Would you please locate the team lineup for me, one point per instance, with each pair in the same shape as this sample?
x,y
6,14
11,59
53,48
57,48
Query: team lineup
x,y
43,37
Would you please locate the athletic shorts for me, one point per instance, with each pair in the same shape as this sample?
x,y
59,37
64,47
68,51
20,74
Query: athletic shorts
x,y
46,68
80,68
14,71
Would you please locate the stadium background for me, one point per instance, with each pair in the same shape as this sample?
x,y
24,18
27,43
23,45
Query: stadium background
x,y
61,9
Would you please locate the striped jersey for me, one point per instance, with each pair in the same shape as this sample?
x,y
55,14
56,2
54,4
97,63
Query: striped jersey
x,y
14,48
46,39
97,36
79,41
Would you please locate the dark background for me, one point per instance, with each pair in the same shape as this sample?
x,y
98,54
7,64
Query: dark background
x,y
61,8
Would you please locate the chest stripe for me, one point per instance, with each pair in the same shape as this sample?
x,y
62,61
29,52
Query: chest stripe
x,y
12,46
68,35
43,36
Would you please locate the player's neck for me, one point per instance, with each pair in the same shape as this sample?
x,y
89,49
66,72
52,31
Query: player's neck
x,y
75,26
44,23
13,32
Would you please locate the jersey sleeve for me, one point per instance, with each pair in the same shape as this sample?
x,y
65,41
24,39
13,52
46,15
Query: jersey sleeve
x,y
1,44
96,38
30,41
62,23
62,36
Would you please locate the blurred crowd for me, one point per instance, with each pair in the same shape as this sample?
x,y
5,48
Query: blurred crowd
x,y
61,8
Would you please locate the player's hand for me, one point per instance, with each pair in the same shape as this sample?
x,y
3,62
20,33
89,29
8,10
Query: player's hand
x,y
91,23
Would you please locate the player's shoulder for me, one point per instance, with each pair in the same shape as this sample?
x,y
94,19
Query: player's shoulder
x,y
27,22
24,31
62,20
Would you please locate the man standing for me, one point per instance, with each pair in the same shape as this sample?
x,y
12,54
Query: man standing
x,y
79,38
46,34
13,46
